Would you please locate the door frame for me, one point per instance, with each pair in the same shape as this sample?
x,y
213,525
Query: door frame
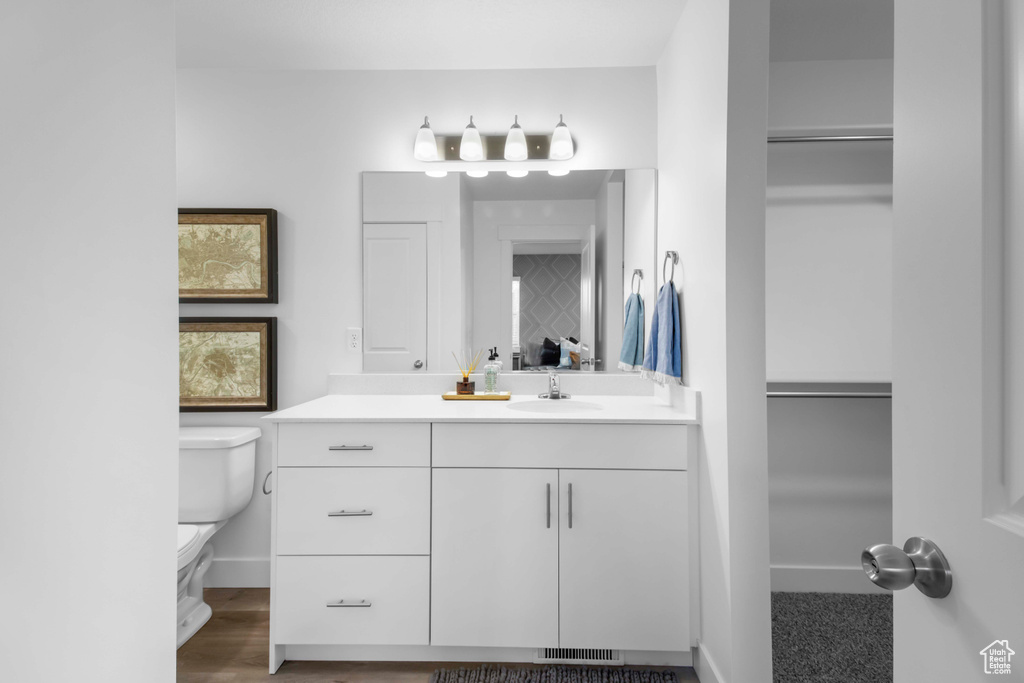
x,y
508,237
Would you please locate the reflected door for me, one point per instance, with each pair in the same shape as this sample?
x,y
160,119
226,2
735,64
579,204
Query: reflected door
x,y
394,297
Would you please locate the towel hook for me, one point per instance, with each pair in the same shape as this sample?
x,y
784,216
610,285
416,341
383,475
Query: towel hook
x,y
674,256
636,273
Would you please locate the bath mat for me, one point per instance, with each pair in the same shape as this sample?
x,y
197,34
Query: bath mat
x,y
551,674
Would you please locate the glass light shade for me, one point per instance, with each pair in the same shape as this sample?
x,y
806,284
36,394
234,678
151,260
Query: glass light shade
x,y
558,171
426,145
471,148
561,142
517,174
515,143
477,174
436,174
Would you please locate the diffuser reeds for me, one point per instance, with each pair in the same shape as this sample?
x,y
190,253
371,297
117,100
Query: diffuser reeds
x,y
466,367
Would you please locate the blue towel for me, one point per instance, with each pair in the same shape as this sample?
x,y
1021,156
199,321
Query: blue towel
x,y
632,356
664,359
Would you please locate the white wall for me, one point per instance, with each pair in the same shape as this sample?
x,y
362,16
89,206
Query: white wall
x,y
712,102
88,499
610,298
297,141
638,250
830,490
836,97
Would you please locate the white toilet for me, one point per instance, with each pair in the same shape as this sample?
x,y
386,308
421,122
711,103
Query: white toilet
x,y
216,468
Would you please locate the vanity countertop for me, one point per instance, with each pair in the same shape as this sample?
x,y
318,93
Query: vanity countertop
x,y
526,408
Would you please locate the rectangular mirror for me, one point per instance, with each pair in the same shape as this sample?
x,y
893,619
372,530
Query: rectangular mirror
x,y
539,267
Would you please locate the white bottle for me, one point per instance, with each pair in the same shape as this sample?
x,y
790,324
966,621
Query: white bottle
x,y
491,371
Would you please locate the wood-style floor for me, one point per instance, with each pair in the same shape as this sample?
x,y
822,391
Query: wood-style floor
x,y
232,647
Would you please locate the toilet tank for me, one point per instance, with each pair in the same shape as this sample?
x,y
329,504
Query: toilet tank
x,y
216,468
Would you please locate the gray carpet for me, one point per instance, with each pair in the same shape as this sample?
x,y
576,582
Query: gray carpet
x,y
831,638
550,674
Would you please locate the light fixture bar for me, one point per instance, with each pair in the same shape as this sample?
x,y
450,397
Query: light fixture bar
x,y
537,147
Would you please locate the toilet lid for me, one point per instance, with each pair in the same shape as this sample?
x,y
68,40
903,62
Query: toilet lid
x,y
188,534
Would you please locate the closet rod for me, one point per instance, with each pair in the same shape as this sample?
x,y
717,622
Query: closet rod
x,y
831,138
827,394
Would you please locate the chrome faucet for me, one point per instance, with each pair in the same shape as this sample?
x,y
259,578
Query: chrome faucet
x,y
554,388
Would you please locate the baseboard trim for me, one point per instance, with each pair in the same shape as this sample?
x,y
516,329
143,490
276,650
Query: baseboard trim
x,y
704,665
808,579
442,653
238,573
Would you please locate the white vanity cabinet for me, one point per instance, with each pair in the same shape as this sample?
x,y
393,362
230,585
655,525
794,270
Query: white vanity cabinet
x,y
560,556
459,540
352,534
494,578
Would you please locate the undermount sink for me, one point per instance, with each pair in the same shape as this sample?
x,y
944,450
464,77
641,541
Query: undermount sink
x,y
564,405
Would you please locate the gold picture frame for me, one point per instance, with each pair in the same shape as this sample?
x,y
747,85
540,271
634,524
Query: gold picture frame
x,y
227,256
227,364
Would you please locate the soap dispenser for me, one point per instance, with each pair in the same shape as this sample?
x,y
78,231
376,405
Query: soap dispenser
x,y
491,371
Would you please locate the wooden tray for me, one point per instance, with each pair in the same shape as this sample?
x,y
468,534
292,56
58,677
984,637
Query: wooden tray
x,y
500,396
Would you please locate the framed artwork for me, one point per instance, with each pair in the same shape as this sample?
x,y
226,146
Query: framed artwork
x,y
227,256
227,364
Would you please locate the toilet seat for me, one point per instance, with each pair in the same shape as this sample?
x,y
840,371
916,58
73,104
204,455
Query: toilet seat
x,y
188,536
192,538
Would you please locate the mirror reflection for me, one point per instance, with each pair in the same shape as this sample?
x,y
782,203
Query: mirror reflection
x,y
539,267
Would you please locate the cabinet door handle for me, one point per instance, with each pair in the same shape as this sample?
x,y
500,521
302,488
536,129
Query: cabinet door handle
x,y
351,513
364,447
570,506
549,505
350,603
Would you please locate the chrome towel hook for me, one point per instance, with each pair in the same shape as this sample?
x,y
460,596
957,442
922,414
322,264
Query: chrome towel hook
x,y
636,273
674,256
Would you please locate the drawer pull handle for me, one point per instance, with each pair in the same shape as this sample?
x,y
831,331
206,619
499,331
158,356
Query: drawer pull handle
x,y
351,513
570,506
549,506
350,603
364,447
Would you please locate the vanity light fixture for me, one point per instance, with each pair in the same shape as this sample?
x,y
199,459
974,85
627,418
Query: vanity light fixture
x,y
561,142
477,174
517,174
515,143
437,174
558,171
472,148
426,145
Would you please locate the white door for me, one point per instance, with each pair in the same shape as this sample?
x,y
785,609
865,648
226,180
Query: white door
x,y
588,296
623,564
956,349
494,558
394,297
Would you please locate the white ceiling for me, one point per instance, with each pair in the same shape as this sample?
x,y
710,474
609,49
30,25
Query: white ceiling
x,y
423,34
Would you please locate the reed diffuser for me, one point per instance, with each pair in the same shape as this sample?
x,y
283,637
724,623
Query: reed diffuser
x,y
466,366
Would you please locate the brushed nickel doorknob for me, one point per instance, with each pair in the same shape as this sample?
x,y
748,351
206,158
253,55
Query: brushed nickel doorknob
x,y
920,563
418,364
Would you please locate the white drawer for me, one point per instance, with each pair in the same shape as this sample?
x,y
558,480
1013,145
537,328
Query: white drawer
x,y
581,446
353,511
353,444
396,589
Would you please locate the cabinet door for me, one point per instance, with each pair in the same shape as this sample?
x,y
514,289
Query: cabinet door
x,y
624,566
494,558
